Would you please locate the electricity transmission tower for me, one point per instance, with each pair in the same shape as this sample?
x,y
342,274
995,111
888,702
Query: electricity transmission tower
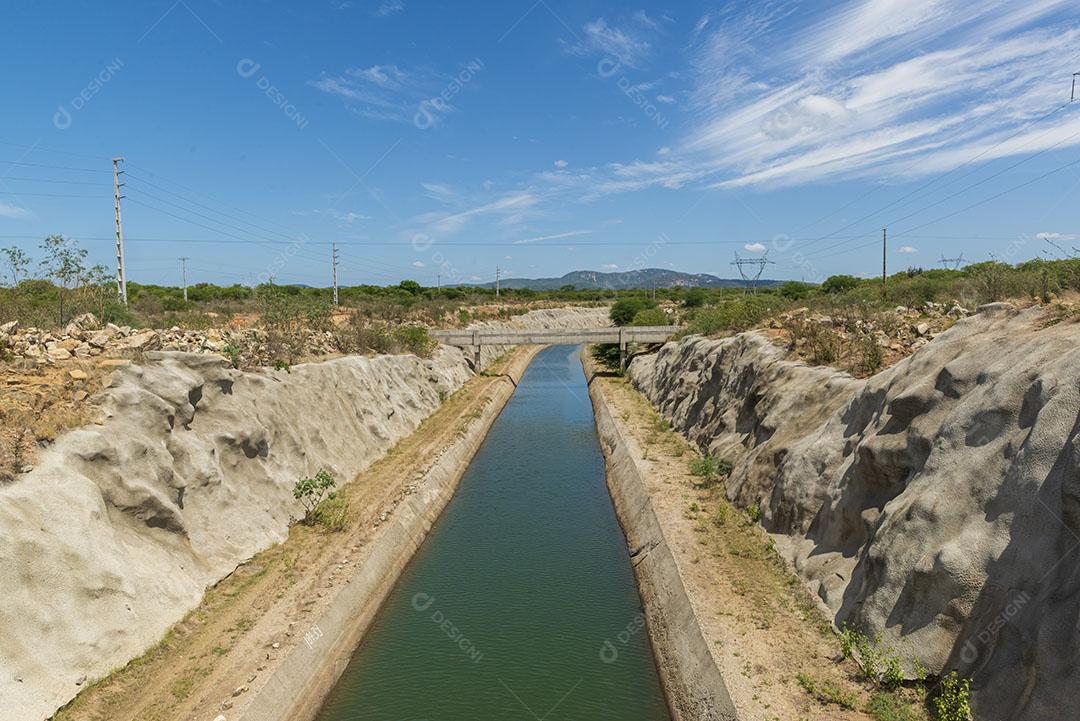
x,y
750,277
951,263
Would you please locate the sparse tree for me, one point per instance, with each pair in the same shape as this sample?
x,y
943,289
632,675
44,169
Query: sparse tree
x,y
18,264
64,263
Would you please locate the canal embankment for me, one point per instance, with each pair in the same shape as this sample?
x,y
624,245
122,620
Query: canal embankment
x,y
735,632
694,684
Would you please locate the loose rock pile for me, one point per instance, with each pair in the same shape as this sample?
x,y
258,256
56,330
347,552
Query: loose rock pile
x,y
897,333
84,337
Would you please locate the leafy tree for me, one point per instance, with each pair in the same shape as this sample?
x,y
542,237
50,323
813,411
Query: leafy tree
x,y
411,287
18,264
840,283
794,290
695,298
64,264
624,310
311,492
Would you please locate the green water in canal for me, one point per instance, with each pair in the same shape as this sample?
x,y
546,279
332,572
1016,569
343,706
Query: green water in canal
x,y
521,604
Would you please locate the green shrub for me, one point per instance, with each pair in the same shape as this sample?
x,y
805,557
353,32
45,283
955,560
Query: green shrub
x,y
650,316
840,283
607,354
333,514
624,310
311,492
415,339
711,469
695,298
952,700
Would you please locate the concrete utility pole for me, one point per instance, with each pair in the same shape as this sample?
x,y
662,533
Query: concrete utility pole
x,y
1072,95
183,275
333,266
121,276
497,272
438,282
884,257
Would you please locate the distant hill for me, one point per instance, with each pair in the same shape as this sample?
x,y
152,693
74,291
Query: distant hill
x,y
643,278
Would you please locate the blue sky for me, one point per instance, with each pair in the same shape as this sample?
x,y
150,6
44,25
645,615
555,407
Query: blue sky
x,y
540,137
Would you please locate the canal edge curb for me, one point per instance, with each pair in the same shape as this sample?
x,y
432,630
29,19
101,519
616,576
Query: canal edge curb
x,y
692,680
300,684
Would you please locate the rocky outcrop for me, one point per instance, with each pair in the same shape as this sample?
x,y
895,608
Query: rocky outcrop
x,y
935,503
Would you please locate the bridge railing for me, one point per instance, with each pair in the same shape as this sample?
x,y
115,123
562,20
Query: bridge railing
x,y
477,337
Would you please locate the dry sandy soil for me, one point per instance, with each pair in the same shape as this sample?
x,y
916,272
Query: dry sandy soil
x,y
247,622
765,629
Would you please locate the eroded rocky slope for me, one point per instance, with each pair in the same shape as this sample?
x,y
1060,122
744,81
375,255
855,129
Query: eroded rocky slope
x,y
936,503
121,525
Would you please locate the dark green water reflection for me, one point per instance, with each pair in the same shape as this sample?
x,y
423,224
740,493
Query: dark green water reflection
x,y
521,604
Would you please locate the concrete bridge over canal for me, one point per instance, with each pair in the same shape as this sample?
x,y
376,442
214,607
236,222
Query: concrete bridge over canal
x,y
478,337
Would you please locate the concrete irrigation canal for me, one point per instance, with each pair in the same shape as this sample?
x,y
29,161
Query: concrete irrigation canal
x,y
521,603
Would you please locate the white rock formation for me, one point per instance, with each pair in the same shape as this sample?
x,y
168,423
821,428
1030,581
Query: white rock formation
x,y
936,503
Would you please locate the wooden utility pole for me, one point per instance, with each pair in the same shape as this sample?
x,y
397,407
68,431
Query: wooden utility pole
x,y
333,267
183,275
121,276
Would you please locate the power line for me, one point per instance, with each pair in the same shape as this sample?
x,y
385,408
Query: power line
x,y
53,167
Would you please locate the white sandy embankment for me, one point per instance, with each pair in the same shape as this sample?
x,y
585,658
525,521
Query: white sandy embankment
x,y
692,680
936,504
121,526
299,685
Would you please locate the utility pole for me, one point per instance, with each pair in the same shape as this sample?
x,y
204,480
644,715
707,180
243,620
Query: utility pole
x,y
121,276
438,283
497,273
1072,95
183,275
884,258
333,267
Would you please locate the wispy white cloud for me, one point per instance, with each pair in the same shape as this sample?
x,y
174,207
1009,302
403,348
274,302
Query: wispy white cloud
x,y
755,247
388,7
883,87
13,211
1055,236
556,236
560,164
508,206
418,264
626,43
908,249
383,92
609,266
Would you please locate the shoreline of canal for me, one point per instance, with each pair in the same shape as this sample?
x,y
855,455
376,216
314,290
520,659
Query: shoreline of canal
x,y
691,678
302,681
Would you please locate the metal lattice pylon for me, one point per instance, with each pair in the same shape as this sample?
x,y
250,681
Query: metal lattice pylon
x,y
751,279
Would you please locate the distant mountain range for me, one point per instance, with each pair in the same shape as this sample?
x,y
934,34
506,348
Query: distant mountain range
x,y
643,278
